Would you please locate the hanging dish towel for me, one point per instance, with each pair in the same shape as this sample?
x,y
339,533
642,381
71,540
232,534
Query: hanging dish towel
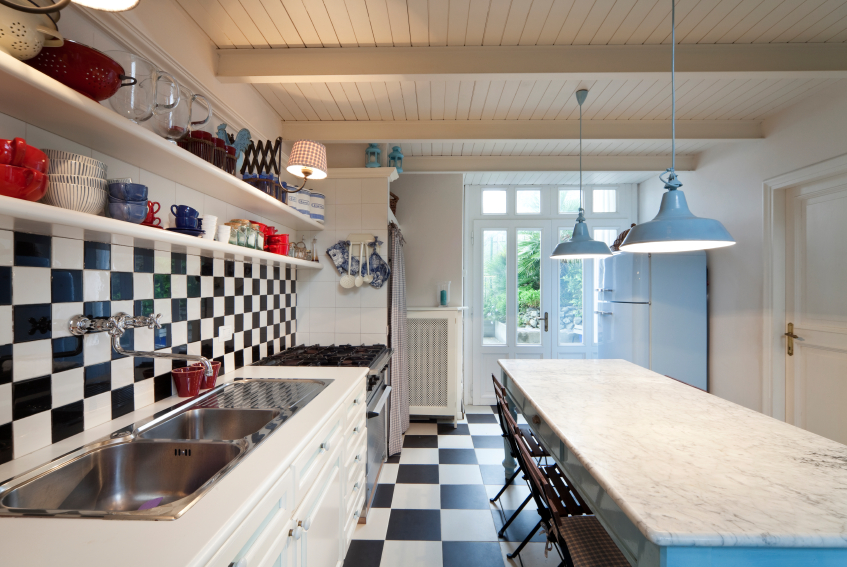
x,y
378,267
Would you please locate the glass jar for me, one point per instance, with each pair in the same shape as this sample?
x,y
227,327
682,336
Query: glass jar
x,y
251,236
241,235
260,237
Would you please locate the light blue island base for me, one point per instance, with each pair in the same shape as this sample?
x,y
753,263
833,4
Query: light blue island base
x,y
639,549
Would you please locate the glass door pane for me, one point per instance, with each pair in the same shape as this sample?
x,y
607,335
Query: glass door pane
x,y
571,294
528,263
494,286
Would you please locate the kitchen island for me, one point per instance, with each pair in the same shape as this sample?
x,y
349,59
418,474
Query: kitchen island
x,y
680,477
304,472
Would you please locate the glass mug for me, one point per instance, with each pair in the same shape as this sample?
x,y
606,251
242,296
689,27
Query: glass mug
x,y
176,123
138,102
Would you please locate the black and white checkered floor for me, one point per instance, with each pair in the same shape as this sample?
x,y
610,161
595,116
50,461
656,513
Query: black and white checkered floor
x,y
431,507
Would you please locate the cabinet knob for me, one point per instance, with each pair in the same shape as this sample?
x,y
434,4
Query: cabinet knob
x,y
356,514
355,430
358,458
355,487
325,446
356,402
297,531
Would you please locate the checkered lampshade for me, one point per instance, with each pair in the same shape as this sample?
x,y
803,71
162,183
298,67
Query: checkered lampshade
x,y
307,155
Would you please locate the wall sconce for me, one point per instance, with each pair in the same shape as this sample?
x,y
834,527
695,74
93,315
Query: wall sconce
x,y
372,154
395,159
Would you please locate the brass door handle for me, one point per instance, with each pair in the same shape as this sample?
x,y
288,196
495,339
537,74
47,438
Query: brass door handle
x,y
546,328
790,336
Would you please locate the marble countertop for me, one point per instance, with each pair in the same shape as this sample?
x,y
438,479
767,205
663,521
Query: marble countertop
x,y
689,468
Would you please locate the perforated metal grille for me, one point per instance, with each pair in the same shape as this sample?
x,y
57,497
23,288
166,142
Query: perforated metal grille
x,y
427,362
286,395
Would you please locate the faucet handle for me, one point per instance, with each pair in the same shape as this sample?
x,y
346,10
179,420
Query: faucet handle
x,y
153,321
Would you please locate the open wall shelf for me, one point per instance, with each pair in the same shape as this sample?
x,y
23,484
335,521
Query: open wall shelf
x,y
25,216
35,98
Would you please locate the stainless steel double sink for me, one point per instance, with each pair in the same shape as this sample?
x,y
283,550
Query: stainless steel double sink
x,y
158,468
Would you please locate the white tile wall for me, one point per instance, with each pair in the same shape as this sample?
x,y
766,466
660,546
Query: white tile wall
x,y
326,312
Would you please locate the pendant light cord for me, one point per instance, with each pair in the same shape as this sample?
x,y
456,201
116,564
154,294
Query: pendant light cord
x,y
673,85
581,196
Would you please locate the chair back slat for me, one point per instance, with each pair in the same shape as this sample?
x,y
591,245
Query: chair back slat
x,y
572,501
537,481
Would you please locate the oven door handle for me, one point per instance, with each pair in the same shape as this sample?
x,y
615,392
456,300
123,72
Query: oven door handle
x,y
380,403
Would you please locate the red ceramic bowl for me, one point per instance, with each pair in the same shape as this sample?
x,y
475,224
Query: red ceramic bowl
x,y
187,381
16,152
208,381
22,183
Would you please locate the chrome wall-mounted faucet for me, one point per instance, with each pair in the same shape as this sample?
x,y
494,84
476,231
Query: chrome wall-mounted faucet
x,y
117,324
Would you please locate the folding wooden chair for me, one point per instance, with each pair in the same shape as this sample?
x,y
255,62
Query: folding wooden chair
x,y
578,535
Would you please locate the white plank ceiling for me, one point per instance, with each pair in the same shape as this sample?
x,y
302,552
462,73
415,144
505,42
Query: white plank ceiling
x,y
557,177
351,23
281,24
707,99
555,148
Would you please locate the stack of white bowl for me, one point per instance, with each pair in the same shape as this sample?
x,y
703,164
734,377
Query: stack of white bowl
x,y
76,182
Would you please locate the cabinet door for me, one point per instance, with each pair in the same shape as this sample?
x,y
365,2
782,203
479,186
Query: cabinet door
x,y
318,520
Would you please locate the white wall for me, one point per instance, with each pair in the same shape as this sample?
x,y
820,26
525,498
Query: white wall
x,y
727,185
430,216
326,312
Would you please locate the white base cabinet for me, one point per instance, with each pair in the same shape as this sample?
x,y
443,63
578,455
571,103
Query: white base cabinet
x,y
308,518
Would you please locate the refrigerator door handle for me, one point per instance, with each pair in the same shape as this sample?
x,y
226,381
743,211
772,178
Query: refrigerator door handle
x,y
603,312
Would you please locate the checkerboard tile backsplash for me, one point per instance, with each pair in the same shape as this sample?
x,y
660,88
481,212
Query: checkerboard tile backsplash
x,y
54,385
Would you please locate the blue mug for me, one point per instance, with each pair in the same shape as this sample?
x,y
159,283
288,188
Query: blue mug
x,y
186,222
184,211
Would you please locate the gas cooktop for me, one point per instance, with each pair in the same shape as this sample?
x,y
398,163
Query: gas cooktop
x,y
341,355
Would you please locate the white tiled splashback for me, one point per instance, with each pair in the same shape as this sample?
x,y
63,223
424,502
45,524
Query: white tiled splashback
x,y
326,312
161,190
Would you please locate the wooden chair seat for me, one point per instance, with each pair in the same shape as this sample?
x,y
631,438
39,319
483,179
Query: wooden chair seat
x,y
588,543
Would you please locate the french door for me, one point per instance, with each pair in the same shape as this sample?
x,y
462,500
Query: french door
x,y
524,304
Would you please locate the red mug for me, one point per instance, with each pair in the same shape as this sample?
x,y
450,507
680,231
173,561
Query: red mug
x,y
208,381
152,221
187,380
151,209
16,152
22,183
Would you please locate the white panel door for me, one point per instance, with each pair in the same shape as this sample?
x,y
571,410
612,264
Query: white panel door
x,y
816,272
509,320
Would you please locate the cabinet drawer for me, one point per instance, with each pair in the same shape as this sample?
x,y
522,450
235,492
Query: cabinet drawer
x,y
356,430
351,520
313,458
263,524
355,403
356,446
355,487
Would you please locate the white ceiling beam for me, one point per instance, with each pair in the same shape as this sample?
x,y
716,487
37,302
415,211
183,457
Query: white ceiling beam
x,y
467,164
377,131
574,62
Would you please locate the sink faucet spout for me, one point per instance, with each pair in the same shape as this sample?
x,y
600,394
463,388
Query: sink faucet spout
x,y
207,366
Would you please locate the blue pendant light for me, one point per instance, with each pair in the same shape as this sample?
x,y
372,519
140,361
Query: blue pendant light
x,y
675,229
581,246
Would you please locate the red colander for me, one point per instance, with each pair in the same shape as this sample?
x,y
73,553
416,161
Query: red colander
x,y
82,68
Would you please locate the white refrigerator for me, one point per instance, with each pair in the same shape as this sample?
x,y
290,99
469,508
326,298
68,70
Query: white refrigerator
x,y
651,310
